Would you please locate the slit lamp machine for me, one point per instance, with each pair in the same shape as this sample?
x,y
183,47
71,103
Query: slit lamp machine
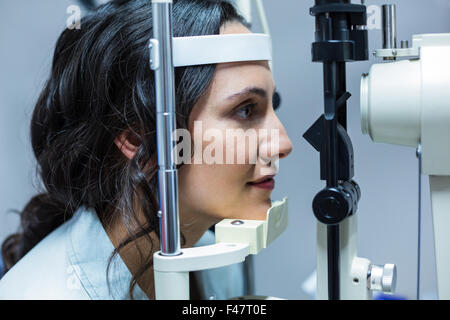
x,y
405,100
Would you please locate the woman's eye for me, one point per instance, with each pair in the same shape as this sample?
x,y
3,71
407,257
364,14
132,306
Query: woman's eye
x,y
246,112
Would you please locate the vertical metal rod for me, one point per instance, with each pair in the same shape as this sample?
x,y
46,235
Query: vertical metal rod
x,y
249,276
333,256
419,222
330,125
330,135
389,27
330,140
165,127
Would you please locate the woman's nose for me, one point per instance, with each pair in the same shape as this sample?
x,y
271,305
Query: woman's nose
x,y
277,144
285,143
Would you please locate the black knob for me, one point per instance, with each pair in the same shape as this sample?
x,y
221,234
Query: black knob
x,y
332,205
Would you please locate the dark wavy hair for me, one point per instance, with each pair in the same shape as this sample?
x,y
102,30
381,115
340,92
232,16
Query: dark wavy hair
x,y
100,86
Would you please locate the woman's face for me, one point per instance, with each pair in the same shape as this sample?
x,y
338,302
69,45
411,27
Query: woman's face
x,y
239,97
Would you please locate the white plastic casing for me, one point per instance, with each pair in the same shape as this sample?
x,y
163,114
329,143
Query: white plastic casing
x,y
408,102
391,103
212,49
257,233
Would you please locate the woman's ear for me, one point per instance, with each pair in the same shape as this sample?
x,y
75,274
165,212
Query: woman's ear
x,y
126,145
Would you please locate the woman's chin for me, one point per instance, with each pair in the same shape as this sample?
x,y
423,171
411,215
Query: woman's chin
x,y
257,212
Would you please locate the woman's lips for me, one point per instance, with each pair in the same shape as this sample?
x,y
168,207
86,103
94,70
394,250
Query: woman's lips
x,y
268,184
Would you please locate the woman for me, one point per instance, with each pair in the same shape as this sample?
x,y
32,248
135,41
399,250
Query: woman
x,y
94,229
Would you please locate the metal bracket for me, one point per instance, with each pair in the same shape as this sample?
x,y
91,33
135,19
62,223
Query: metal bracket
x,y
154,54
412,53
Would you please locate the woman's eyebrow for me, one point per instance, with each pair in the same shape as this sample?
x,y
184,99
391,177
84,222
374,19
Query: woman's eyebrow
x,y
250,90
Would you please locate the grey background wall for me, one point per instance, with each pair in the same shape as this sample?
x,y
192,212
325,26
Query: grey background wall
x,y
387,216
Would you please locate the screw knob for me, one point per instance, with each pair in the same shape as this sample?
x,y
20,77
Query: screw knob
x,y
383,278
